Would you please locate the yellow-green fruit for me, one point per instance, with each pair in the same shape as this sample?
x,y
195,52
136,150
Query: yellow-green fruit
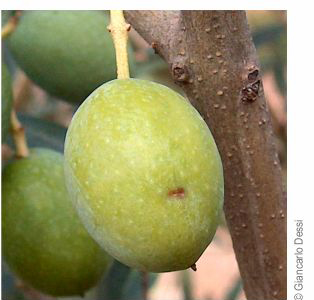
x,y
6,100
145,175
67,53
43,240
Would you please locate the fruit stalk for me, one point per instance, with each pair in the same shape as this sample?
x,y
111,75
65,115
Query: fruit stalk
x,y
18,133
119,31
10,26
17,129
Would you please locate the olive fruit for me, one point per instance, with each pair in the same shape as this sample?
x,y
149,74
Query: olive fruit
x,y
145,175
43,240
67,53
6,100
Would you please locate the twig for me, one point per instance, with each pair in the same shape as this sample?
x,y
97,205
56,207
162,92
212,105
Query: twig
x,y
18,133
11,25
119,31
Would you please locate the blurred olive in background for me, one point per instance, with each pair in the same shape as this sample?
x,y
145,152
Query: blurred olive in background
x,y
67,53
44,242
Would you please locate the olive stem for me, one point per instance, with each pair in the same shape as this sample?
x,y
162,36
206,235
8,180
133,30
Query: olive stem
x,y
18,133
11,25
119,31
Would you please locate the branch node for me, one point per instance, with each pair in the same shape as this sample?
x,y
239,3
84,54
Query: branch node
x,y
180,73
250,92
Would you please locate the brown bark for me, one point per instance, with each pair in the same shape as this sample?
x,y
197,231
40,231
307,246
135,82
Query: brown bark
x,y
212,57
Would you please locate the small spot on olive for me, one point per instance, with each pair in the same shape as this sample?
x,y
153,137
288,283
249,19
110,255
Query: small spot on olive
x,y
178,193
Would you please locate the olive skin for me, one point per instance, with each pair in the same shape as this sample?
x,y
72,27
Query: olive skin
x,y
43,240
145,175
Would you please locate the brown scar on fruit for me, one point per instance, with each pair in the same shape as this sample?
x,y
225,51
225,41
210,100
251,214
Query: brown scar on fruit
x,y
178,193
193,267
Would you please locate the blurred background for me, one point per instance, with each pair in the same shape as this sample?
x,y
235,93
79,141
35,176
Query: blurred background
x,y
46,119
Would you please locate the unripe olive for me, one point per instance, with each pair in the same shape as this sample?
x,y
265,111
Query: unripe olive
x,y
67,53
43,240
145,175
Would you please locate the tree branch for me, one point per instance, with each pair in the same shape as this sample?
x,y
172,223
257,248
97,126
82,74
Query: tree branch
x,y
212,57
